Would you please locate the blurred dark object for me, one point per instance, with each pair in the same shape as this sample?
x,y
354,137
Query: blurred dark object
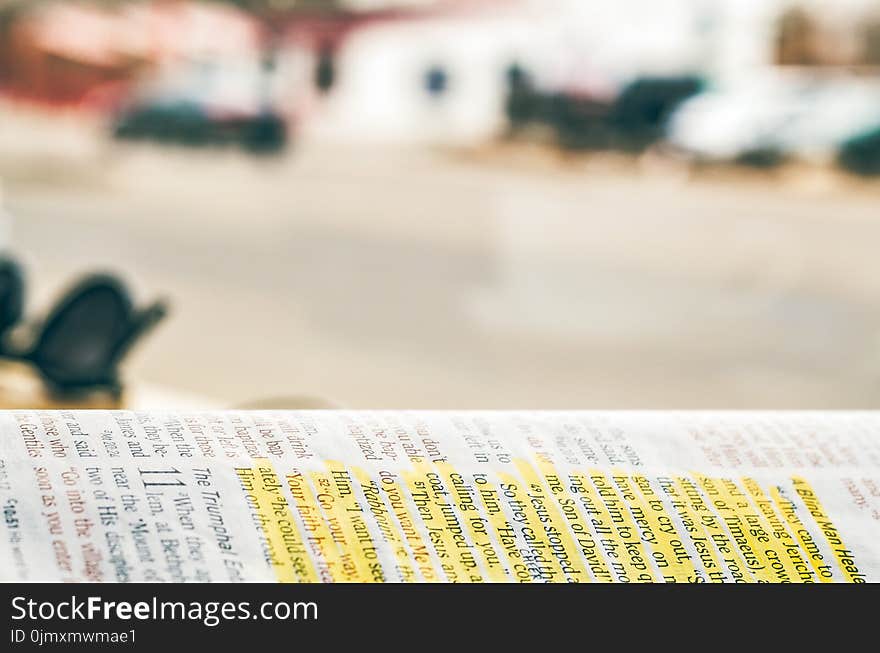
x,y
11,295
642,110
179,122
581,122
521,106
78,348
88,333
762,157
267,133
436,81
325,70
633,121
189,123
861,154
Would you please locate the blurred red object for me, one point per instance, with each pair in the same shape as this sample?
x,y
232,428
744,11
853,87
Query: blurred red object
x,y
66,55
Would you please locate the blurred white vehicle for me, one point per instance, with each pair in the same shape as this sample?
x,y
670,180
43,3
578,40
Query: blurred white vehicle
x,y
775,117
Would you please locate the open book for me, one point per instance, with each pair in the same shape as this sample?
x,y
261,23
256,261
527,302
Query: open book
x,y
410,496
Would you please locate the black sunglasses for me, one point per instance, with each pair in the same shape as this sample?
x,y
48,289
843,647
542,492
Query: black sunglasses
x,y
83,339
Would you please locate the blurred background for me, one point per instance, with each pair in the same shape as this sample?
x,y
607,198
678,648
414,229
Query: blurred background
x,y
460,204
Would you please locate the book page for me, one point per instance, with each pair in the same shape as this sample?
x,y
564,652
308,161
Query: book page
x,y
410,496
